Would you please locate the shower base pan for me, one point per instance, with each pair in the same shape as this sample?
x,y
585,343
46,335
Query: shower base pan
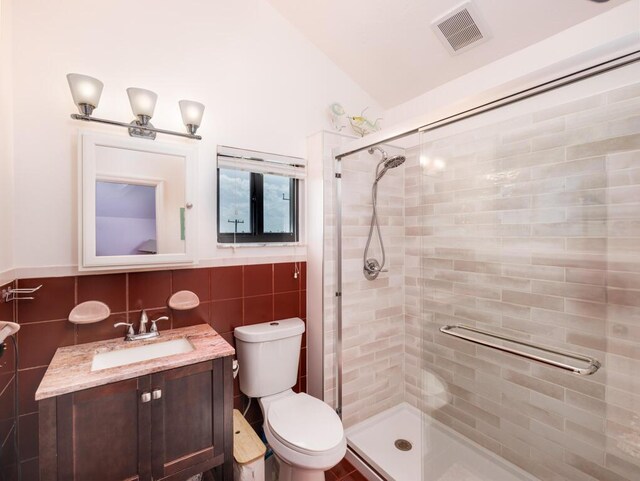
x,y
392,444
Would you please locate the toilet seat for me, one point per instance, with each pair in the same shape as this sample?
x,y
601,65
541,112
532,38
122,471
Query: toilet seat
x,y
305,424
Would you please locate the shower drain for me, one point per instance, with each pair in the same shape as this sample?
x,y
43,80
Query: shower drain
x,y
403,445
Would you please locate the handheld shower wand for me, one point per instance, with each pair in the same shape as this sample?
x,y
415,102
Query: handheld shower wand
x,y
371,266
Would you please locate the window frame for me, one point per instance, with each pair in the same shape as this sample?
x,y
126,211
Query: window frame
x,y
256,213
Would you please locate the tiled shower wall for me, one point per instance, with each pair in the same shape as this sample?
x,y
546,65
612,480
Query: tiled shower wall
x,y
373,315
531,228
230,297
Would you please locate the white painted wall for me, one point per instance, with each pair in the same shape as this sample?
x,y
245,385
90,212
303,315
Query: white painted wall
x,y
264,85
6,145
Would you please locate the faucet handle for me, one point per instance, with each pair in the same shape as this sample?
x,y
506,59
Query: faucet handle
x,y
154,328
130,331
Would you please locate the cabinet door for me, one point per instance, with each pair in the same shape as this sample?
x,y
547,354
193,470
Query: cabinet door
x,y
103,433
187,420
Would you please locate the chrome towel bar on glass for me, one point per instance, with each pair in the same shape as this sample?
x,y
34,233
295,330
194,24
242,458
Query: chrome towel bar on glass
x,y
593,364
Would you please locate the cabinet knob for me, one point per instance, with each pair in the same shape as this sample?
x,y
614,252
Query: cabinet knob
x,y
146,397
156,394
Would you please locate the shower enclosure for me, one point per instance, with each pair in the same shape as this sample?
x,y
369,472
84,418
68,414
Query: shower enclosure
x,y
501,341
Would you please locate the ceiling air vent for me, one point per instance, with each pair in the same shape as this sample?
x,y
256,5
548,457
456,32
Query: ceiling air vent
x,y
461,29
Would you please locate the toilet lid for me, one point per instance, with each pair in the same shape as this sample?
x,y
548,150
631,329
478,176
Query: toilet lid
x,y
305,422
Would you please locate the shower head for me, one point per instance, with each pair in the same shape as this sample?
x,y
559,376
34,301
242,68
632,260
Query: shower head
x,y
395,161
387,162
390,163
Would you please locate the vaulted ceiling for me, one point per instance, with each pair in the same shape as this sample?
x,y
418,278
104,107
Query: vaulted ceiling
x,y
390,49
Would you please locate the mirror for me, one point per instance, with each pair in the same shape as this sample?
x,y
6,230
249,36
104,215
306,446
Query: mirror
x,y
135,207
126,216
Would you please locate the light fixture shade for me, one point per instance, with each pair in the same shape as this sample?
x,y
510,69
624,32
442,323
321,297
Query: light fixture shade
x,y
143,102
85,90
191,112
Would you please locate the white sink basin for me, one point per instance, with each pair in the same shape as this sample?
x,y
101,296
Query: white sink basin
x,y
145,352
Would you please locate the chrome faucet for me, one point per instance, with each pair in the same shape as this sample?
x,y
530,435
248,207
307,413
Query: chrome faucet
x,y
142,333
143,322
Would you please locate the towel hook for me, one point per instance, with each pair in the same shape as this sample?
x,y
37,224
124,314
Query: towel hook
x,y
11,294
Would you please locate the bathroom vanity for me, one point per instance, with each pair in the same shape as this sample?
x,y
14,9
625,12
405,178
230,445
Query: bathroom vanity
x,y
165,417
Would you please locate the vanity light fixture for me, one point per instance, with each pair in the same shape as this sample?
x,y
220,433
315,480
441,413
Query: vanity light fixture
x,y
143,103
86,93
191,114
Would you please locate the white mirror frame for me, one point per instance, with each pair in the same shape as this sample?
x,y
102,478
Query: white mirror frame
x,y
87,176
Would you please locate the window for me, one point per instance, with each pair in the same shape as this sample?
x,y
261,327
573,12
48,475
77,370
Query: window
x,y
257,202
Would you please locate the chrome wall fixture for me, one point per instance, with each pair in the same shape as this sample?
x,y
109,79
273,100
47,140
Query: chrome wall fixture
x,y
86,93
14,294
592,364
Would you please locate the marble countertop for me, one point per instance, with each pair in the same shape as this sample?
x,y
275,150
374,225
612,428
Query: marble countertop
x,y
70,368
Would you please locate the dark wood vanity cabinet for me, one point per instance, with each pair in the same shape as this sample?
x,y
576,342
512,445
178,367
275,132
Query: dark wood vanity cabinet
x,y
168,426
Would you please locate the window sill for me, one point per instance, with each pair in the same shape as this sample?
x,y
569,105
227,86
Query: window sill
x,y
259,244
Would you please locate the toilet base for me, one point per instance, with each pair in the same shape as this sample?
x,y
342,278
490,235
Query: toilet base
x,y
292,473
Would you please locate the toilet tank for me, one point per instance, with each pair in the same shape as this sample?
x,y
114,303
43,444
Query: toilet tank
x,y
268,355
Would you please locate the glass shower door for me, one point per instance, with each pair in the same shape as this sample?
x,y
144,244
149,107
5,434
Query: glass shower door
x,y
530,232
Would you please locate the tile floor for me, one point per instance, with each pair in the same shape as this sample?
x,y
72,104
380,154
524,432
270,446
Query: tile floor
x,y
343,472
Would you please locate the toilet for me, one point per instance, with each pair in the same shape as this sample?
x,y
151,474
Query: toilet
x,y
306,435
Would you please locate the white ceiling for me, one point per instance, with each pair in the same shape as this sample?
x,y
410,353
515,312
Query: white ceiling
x,y
389,48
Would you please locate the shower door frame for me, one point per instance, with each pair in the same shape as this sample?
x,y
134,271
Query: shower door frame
x,y
559,82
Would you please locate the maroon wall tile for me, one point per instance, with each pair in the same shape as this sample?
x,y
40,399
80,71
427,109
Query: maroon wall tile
x,y
29,382
6,308
228,336
226,282
8,452
284,278
38,341
303,362
258,280
303,304
226,315
101,331
5,380
7,403
52,302
199,315
258,309
194,280
286,305
254,415
10,469
6,365
30,470
148,290
303,275
108,288
28,436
